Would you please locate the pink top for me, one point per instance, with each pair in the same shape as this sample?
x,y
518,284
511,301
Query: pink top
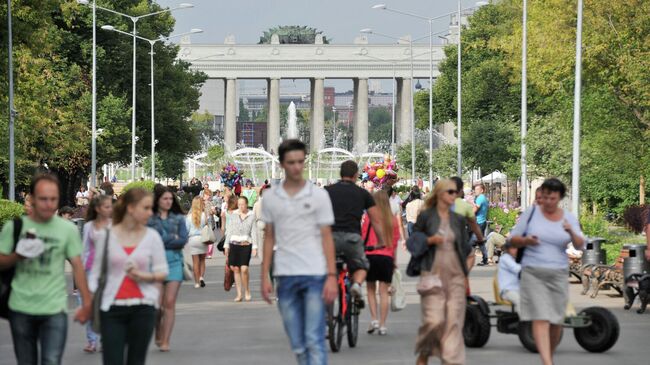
x,y
372,240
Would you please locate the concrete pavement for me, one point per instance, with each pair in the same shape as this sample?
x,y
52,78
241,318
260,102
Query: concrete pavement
x,y
212,329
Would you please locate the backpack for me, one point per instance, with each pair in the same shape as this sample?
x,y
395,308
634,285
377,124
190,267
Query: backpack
x,y
7,276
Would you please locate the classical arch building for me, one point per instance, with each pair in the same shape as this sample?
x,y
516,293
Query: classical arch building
x,y
358,61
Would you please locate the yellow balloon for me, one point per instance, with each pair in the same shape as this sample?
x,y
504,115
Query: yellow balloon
x,y
381,173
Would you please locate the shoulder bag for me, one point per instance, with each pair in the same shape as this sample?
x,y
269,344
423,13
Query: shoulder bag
x,y
398,295
101,285
520,251
7,276
207,234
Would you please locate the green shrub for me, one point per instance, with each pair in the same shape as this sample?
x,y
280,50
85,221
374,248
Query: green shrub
x,y
593,225
146,185
9,210
506,218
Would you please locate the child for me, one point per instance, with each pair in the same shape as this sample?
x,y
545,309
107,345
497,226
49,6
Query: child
x,y
508,275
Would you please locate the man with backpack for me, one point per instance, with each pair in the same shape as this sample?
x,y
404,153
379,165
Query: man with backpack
x,y
36,246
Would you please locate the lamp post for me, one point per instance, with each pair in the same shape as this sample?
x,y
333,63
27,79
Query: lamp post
x,y
575,176
334,128
430,20
135,20
524,106
12,112
392,138
151,44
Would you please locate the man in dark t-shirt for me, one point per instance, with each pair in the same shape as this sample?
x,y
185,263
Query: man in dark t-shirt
x,y
349,202
647,236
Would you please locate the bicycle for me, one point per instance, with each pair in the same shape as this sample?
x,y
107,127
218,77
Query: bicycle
x,y
343,313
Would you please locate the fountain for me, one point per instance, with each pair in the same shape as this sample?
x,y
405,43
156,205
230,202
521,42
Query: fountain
x,y
292,127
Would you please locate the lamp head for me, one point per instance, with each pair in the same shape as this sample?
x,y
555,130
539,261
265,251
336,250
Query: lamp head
x,y
196,30
366,30
379,6
481,3
185,5
82,2
108,27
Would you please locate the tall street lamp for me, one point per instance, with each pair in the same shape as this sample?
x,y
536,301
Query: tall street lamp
x,y
524,106
12,112
135,20
392,138
430,20
575,176
151,43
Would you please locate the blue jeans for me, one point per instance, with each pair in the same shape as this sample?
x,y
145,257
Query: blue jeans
x,y
29,330
300,300
409,228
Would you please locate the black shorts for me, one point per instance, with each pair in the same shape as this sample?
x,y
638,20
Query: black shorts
x,y
381,269
240,255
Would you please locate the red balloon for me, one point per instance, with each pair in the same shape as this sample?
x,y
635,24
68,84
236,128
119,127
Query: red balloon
x,y
372,173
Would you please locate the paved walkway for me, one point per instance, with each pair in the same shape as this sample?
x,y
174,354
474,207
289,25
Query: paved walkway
x,y
211,329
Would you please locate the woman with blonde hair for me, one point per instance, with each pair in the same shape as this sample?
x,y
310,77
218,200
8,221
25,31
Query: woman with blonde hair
x,y
439,250
195,220
382,260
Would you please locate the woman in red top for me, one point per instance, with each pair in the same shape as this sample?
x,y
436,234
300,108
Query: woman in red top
x,y
382,261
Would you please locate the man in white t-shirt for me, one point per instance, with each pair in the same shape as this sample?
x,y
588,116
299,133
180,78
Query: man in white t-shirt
x,y
298,218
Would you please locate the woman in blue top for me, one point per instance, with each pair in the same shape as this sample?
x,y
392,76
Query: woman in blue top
x,y
169,221
545,231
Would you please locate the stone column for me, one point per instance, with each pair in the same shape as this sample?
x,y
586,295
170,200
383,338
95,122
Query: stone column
x,y
230,120
361,115
403,115
273,123
317,127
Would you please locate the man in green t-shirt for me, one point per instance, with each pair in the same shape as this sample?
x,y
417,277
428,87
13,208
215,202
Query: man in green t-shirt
x,y
466,210
38,300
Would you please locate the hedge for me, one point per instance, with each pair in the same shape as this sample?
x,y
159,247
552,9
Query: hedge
x,y
9,210
146,185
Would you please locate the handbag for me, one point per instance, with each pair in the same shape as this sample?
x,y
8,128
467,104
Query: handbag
x,y
101,285
520,251
207,234
7,276
221,244
398,297
228,277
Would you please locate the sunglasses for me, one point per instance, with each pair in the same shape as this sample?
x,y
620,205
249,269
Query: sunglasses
x,y
452,192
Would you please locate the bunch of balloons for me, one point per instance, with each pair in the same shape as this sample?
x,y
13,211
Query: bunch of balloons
x,y
231,175
380,172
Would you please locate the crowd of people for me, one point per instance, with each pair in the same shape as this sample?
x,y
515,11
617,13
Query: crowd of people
x,y
133,254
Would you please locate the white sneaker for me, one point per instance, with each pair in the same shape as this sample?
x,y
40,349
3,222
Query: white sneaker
x,y
355,290
196,286
383,331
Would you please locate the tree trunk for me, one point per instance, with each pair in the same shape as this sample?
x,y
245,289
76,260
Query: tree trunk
x,y
642,190
70,183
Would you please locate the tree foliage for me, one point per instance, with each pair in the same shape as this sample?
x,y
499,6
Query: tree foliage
x,y
615,94
52,65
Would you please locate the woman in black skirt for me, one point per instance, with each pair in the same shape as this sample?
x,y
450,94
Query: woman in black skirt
x,y
382,261
240,245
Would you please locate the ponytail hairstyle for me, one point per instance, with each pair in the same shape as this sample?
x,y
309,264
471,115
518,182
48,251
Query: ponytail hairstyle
x,y
131,197
95,202
382,201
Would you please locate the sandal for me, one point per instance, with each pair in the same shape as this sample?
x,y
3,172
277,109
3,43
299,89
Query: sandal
x,y
374,326
90,348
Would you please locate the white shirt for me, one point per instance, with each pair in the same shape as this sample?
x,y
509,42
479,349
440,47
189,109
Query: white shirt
x,y
395,204
508,275
297,221
148,256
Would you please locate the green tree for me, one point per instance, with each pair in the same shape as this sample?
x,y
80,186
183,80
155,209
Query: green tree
x,y
379,128
421,159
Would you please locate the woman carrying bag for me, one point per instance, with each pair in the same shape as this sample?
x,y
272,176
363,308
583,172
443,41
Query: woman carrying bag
x,y
440,250
129,265
543,233
169,221
197,226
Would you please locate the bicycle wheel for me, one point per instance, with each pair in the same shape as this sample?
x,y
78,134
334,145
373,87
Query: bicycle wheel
x,y
335,324
353,323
